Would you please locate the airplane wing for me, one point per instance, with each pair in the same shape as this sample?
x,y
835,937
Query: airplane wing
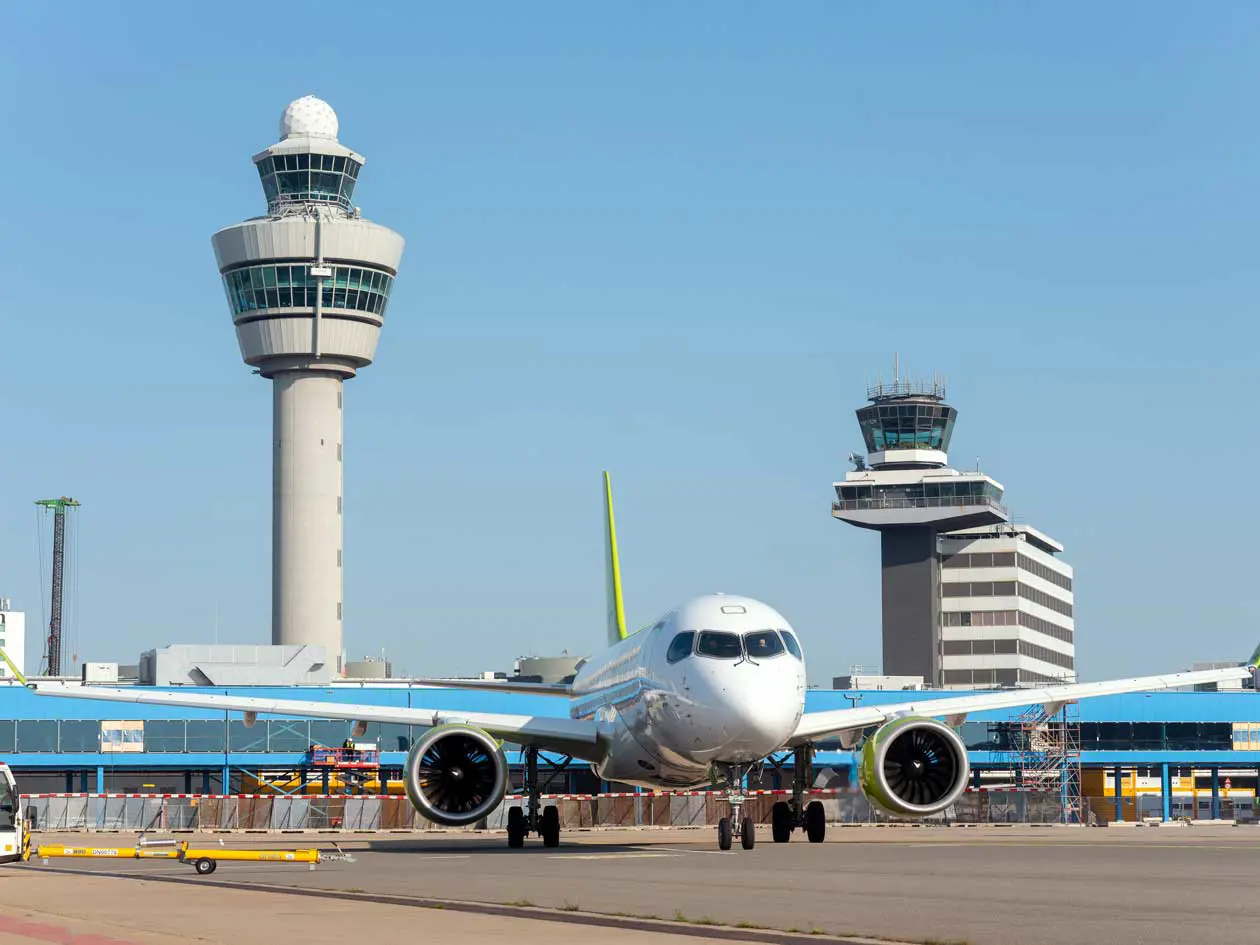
x,y
498,685
815,725
575,737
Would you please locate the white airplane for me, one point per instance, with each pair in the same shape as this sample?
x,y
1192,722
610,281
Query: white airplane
x,y
700,697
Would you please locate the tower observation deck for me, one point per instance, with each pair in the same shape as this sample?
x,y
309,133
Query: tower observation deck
x,y
905,490
307,287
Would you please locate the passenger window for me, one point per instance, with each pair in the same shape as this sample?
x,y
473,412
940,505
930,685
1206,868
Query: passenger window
x,y
790,642
762,644
680,648
723,646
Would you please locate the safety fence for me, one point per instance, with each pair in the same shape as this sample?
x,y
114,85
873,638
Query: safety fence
x,y
370,813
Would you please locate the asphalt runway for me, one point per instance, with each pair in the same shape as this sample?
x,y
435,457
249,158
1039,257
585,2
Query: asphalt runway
x,y
978,885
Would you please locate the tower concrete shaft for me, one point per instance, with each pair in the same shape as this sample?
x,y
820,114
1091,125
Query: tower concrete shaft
x,y
307,286
306,510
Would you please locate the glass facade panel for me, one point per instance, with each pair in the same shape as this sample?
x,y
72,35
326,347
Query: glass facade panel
x,y
329,732
257,288
890,426
206,735
315,178
241,738
80,735
36,735
288,735
8,736
391,736
164,735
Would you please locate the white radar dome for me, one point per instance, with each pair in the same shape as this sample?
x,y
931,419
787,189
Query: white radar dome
x,y
309,116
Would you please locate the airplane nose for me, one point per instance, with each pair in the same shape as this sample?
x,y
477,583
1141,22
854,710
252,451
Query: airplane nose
x,y
761,708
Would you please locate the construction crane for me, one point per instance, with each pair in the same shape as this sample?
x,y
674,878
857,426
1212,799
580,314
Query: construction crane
x,y
53,643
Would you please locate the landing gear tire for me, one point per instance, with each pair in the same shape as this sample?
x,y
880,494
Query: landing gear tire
x,y
724,834
204,866
815,822
550,827
747,833
516,828
781,822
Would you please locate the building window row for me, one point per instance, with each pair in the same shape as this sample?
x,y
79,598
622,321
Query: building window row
x,y
1003,647
1046,655
996,677
1033,566
257,288
1005,618
1108,736
1006,559
189,736
978,589
978,647
979,618
1005,589
963,559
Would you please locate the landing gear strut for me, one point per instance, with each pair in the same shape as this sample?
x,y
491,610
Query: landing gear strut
x,y
737,823
788,816
545,821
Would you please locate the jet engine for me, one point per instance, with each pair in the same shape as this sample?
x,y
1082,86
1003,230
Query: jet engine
x,y
913,767
455,774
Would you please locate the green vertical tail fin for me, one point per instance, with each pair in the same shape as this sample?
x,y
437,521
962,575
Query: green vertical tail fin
x,y
612,572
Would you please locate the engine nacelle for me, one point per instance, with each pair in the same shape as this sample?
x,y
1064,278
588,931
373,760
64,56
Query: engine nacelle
x,y
913,767
455,774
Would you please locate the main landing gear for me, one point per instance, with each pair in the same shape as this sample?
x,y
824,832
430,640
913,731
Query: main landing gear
x,y
737,824
787,816
544,822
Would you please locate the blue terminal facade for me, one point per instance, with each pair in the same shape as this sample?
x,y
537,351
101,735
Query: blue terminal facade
x,y
64,745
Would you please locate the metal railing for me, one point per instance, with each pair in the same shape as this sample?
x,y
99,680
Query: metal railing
x,y
925,502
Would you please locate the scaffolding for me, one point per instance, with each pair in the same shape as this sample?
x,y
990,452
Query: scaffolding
x,y
1045,756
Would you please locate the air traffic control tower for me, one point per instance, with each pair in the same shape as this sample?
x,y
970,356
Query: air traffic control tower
x,y
307,285
905,490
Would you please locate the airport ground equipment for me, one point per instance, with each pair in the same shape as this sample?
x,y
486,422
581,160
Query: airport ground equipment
x,y
203,859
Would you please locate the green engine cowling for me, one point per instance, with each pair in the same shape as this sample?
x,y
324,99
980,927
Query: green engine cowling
x,y
913,767
455,774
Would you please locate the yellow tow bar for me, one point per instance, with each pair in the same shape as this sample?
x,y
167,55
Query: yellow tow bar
x,y
204,860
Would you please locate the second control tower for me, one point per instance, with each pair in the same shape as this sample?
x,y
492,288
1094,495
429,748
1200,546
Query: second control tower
x,y
906,491
307,285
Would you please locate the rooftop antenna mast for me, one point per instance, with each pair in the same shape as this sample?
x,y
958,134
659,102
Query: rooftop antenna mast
x,y
53,643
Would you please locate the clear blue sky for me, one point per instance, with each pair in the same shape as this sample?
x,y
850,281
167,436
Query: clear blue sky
x,y
670,240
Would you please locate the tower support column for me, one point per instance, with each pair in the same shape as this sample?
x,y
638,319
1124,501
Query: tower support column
x,y
910,570
307,510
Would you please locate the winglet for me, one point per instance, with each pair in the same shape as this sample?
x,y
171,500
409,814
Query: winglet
x,y
616,605
1254,662
13,669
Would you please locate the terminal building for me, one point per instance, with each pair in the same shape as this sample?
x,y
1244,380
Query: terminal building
x,y
1171,754
970,600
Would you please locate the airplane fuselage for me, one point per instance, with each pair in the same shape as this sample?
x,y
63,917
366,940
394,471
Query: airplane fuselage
x,y
719,679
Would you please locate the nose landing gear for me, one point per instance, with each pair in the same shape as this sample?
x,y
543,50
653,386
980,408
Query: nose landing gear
x,y
737,823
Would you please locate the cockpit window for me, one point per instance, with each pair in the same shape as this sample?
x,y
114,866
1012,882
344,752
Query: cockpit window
x,y
790,642
723,646
680,647
762,645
